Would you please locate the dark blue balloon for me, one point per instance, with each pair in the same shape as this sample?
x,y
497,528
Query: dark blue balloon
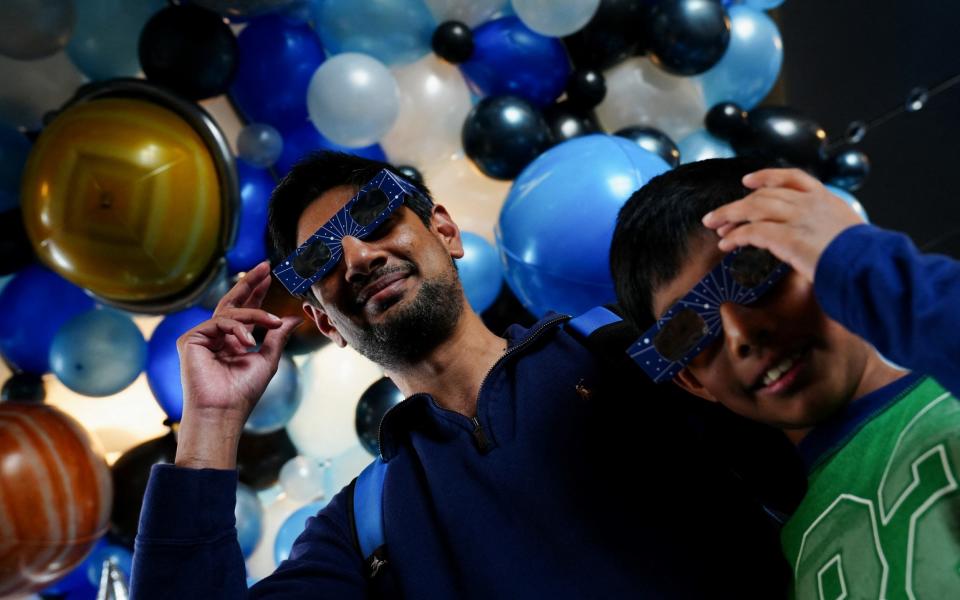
x,y
277,58
250,246
33,307
163,362
14,148
511,59
298,141
82,582
480,271
292,528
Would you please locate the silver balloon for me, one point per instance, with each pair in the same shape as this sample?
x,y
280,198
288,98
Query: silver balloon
x,y
259,144
302,479
553,18
700,145
31,29
471,12
32,88
353,99
279,401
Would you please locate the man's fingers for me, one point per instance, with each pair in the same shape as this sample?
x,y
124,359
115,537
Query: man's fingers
x,y
276,339
785,178
251,317
240,294
259,293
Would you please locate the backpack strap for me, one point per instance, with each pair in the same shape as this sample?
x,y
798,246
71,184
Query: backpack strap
x,y
592,320
368,516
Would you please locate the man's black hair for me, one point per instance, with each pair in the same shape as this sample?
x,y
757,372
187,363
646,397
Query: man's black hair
x,y
656,225
311,177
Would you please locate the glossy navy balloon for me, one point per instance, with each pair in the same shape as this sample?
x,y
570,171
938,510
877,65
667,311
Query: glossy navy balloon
x,y
687,37
163,361
782,133
277,58
304,138
586,88
480,271
653,140
25,387
615,33
509,58
847,169
410,173
250,246
567,121
727,121
380,397
502,134
452,41
16,251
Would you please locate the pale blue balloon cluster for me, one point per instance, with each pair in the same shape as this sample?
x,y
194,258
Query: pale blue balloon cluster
x,y
481,273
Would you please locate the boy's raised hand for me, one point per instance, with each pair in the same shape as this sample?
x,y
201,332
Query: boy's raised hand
x,y
790,213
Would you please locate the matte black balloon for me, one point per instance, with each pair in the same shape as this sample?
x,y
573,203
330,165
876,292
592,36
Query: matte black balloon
x,y
453,41
374,403
727,121
260,457
190,50
586,88
130,475
567,121
687,37
784,134
653,140
505,311
615,33
15,249
503,134
23,387
848,169
411,173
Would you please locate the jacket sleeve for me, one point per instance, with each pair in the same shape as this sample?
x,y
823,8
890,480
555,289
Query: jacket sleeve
x,y
879,286
187,545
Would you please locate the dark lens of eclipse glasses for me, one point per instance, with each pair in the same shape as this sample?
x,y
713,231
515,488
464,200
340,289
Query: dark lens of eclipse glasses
x,y
368,206
680,335
311,260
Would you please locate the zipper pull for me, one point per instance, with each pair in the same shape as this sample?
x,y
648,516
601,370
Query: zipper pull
x,y
483,444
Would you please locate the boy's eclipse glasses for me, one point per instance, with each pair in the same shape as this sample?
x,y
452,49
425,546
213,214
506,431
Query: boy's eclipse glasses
x,y
358,218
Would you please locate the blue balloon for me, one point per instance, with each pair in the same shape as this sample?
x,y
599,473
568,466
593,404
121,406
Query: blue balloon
x,y
763,4
249,515
298,141
292,528
851,201
480,271
250,247
511,59
277,57
163,361
14,148
106,36
751,64
98,353
556,225
33,307
82,582
279,401
395,32
700,145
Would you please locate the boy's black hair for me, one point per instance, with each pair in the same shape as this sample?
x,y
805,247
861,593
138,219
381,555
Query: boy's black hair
x,y
312,176
655,226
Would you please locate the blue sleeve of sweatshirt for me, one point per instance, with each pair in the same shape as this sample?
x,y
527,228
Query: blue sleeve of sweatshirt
x,y
878,285
187,545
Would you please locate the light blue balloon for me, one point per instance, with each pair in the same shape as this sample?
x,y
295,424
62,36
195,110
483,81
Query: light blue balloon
x,y
555,227
279,401
106,36
751,64
259,144
851,201
14,148
395,32
480,271
700,145
249,515
292,528
763,4
98,353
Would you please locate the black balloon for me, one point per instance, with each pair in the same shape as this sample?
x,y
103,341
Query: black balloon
x,y
411,173
503,134
15,249
586,88
260,457
453,41
130,475
783,134
653,140
847,169
190,50
374,403
687,37
615,32
567,121
23,387
727,121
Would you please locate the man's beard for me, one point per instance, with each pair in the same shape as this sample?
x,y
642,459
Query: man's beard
x,y
415,330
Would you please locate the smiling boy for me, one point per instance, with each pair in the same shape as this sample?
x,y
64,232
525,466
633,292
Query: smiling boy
x,y
882,515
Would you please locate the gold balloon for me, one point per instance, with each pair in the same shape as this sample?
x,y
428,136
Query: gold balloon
x,y
121,196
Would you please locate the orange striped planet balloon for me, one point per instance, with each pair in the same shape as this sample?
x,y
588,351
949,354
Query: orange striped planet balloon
x,y
55,496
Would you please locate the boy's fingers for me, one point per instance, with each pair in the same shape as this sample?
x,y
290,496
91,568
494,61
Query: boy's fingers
x,y
758,206
764,235
788,178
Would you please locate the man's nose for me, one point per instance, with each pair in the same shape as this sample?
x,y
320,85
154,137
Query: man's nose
x,y
745,330
361,258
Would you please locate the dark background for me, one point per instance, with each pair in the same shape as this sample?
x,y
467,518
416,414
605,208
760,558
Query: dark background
x,y
849,60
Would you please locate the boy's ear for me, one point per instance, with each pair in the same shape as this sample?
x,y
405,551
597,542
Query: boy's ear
x,y
446,229
689,382
323,323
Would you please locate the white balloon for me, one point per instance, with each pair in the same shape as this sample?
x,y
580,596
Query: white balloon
x,y
302,478
353,99
471,12
553,18
473,199
434,101
32,88
276,509
639,93
345,467
332,381
700,145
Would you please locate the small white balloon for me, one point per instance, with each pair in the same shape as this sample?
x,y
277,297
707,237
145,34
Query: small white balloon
x,y
302,478
31,88
553,18
259,144
471,12
353,99
700,145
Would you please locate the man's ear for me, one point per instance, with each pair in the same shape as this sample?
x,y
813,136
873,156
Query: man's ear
x,y
322,321
442,224
689,382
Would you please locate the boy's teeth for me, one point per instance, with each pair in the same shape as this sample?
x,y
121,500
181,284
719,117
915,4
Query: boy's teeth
x,y
778,371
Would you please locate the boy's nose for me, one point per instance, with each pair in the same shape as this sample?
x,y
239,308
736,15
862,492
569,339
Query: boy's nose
x,y
745,331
